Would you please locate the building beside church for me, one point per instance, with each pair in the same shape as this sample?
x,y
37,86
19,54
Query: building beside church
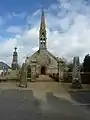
x,y
4,67
42,61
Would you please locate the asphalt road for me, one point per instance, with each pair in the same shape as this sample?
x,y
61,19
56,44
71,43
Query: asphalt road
x,y
22,105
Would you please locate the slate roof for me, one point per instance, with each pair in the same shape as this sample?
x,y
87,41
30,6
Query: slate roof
x,y
4,64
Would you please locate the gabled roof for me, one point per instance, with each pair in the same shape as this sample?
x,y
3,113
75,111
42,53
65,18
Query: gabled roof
x,y
52,55
4,64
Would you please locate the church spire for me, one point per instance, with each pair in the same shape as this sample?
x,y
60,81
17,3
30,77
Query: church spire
x,y
42,20
42,32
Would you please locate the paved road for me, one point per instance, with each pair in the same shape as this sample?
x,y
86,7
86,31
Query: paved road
x,y
22,105
83,98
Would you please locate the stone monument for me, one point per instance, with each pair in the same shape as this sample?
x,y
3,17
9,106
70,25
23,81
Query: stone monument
x,y
60,69
76,78
58,63
23,76
15,60
33,70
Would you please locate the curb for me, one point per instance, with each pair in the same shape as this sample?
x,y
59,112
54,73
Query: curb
x,y
79,90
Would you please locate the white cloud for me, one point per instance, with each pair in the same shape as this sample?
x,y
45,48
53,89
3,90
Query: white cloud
x,y
74,35
69,37
34,19
26,44
14,14
14,29
21,15
2,21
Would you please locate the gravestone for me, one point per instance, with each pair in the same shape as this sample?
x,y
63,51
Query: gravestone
x,y
76,78
23,76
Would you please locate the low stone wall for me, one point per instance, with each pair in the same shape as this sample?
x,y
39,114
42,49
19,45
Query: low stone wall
x,y
85,77
12,76
5,79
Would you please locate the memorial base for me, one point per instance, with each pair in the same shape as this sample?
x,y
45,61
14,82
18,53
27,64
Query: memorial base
x,y
76,85
23,85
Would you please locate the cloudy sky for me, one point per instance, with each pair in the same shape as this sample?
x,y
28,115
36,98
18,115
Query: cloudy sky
x,y
67,24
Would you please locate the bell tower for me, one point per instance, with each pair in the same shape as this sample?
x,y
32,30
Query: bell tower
x,y
42,33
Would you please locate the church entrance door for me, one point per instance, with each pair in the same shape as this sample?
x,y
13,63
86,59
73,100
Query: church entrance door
x,y
43,70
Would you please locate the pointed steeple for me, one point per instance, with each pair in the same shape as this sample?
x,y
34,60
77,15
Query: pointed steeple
x,y
42,32
42,20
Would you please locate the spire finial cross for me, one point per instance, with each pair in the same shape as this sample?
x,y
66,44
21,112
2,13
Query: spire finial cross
x,y
15,49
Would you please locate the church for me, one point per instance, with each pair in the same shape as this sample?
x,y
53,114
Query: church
x,y
42,61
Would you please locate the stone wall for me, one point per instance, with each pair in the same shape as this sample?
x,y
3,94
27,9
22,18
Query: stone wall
x,y
85,77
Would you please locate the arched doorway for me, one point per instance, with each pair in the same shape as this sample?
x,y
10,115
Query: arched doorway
x,y
43,70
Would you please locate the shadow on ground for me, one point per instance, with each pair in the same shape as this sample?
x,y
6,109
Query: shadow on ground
x,y
63,108
22,105
81,97
19,105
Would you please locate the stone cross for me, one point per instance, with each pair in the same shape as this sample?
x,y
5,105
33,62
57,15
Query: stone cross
x,y
58,63
15,49
33,69
76,78
23,76
60,69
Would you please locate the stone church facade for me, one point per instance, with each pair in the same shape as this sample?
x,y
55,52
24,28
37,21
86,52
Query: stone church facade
x,y
42,61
